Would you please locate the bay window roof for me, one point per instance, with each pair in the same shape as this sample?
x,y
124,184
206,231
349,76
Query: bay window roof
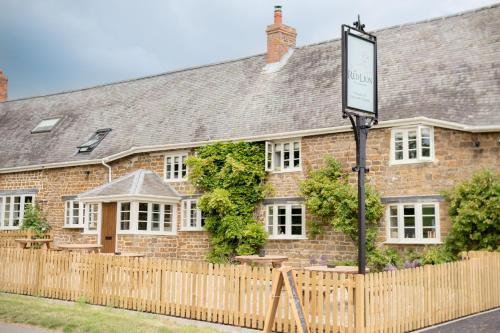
x,y
139,185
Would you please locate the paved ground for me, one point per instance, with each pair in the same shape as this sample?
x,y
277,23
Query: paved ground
x,y
488,322
15,328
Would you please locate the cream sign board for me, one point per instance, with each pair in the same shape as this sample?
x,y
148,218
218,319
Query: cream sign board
x,y
361,84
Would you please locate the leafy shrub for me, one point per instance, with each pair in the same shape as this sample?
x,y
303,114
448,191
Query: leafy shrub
x,y
35,221
475,213
437,255
379,258
231,175
332,200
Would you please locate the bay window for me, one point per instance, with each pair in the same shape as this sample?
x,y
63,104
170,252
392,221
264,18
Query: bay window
x,y
146,218
412,145
12,210
285,221
283,156
413,223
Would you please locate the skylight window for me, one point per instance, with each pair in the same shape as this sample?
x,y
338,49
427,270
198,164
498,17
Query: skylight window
x,y
96,138
46,125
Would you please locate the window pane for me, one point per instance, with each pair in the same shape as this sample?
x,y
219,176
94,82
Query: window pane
x,y
409,232
429,232
428,210
176,167
281,220
409,210
125,216
394,233
93,216
183,167
6,221
286,155
277,156
167,218
412,154
398,145
155,217
269,156
168,163
1,212
143,216
399,155
270,217
17,211
296,154
393,211
394,221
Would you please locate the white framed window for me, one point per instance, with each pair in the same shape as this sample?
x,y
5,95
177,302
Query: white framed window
x,y
412,145
192,217
146,218
282,156
413,223
286,221
12,210
93,215
175,167
74,214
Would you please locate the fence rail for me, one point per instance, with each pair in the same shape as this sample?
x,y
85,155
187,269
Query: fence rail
x,y
238,295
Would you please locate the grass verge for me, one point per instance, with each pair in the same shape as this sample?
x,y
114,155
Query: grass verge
x,y
80,317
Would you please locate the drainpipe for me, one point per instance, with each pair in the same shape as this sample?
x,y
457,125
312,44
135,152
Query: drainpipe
x,y
109,170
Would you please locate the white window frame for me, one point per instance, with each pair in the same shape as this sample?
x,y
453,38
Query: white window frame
x,y
186,216
86,229
288,221
134,219
270,150
22,203
170,177
69,215
419,239
406,159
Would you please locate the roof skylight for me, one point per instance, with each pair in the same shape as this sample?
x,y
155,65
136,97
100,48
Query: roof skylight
x,y
96,138
46,125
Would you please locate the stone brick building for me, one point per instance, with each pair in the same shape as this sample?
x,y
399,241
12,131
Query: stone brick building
x,y
106,164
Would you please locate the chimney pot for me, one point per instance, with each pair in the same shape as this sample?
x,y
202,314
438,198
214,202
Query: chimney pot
x,y
3,87
278,16
280,37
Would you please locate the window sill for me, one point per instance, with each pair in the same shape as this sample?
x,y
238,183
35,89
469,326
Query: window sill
x,y
73,227
93,232
393,163
192,229
414,242
146,233
288,238
10,228
176,180
285,171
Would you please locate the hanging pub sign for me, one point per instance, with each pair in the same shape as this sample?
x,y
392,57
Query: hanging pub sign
x,y
359,71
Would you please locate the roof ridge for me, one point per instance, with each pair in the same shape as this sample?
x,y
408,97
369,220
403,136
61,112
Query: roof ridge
x,y
432,19
227,61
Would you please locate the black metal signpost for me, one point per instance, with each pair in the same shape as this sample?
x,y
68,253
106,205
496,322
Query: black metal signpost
x,y
360,105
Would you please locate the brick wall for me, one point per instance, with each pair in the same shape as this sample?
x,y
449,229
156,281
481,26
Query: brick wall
x,y
456,159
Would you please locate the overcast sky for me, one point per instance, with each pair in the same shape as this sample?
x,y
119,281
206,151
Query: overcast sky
x,y
54,45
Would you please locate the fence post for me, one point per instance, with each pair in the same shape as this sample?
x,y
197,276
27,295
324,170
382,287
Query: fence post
x,y
360,303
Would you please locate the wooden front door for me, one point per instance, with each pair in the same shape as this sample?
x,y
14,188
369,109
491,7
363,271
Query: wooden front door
x,y
108,229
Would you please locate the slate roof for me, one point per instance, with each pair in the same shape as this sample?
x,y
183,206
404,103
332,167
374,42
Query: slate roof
x,y
139,184
446,69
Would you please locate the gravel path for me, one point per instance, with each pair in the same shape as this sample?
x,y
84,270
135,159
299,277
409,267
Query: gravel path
x,y
17,328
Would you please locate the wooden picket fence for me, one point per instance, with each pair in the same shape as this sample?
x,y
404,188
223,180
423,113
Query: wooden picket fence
x,y
238,295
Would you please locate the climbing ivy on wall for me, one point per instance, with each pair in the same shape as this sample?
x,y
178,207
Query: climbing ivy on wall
x,y
231,176
332,200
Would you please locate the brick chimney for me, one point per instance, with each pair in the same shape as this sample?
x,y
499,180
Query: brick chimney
x,y
3,87
280,37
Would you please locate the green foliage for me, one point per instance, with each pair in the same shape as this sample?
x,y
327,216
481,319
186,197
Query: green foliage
x,y
231,175
379,257
332,200
34,220
437,255
475,213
